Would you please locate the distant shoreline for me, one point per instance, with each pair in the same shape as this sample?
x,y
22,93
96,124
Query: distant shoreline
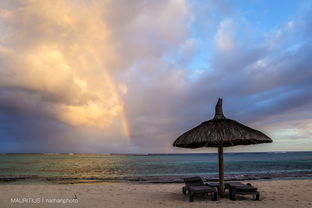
x,y
153,154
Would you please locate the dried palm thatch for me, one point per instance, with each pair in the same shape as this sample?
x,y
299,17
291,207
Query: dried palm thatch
x,y
220,132
227,132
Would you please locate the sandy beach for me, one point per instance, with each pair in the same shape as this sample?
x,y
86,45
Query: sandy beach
x,y
279,193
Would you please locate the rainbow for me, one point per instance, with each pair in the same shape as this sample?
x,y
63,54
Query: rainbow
x,y
109,79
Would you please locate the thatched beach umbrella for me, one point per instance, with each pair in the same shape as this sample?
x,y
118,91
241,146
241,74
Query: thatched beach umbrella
x,y
220,132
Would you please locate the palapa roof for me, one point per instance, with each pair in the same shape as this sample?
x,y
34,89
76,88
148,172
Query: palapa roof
x,y
220,131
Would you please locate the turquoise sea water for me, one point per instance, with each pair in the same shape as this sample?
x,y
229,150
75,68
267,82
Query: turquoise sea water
x,y
162,168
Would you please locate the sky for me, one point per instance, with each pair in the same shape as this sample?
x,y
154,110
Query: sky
x,y
117,76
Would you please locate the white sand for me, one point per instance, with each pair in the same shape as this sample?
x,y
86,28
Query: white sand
x,y
274,194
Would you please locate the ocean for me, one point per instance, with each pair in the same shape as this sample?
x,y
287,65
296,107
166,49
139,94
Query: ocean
x,y
155,168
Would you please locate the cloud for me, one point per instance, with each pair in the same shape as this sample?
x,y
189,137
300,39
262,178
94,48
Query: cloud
x,y
224,38
109,76
55,56
69,62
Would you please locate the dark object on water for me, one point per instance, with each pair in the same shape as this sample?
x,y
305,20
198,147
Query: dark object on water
x,y
195,185
220,132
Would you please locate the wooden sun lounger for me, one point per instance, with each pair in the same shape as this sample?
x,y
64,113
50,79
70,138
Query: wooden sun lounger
x,y
196,186
243,189
236,187
226,184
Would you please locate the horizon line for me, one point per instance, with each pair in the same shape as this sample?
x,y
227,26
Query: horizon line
x,y
138,154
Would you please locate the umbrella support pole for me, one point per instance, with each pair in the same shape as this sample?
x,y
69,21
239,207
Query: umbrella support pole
x,y
221,171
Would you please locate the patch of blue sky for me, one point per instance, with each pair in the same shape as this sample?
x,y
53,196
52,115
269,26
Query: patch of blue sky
x,y
194,75
195,63
194,67
254,19
296,46
268,15
198,64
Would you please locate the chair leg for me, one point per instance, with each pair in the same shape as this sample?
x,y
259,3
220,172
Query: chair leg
x,y
191,197
215,196
232,195
184,190
258,196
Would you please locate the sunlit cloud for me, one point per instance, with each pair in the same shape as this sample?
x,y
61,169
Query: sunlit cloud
x,y
62,51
